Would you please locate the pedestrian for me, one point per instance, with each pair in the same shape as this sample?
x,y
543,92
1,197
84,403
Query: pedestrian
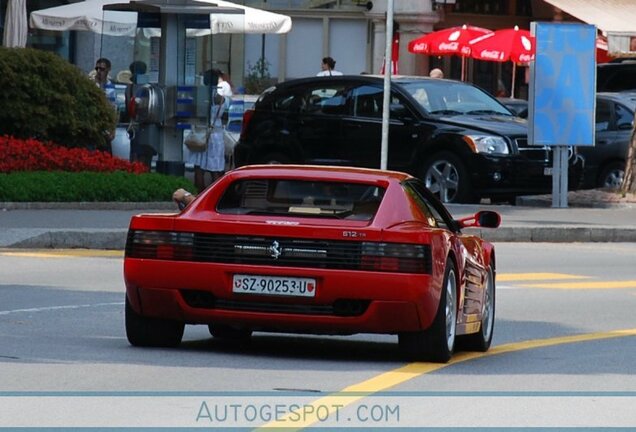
x,y
436,73
141,149
136,69
102,73
103,81
328,67
212,159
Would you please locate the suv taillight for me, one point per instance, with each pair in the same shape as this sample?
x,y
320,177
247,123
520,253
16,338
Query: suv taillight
x,y
247,116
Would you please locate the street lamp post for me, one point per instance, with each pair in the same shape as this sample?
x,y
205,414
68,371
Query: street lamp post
x,y
387,86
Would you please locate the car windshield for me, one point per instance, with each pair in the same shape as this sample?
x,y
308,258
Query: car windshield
x,y
442,97
285,197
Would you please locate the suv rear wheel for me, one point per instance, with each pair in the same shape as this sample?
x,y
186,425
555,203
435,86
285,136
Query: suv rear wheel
x,y
611,176
446,176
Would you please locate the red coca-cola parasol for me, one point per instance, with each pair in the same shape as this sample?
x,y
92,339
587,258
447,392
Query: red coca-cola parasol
x,y
453,40
601,50
504,45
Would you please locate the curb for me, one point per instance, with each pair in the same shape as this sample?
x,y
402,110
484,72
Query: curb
x,y
102,239
546,202
552,234
85,205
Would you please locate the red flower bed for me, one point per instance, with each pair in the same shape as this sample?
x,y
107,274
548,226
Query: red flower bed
x,y
33,155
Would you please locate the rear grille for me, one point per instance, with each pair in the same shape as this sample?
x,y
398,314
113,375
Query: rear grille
x,y
261,251
342,307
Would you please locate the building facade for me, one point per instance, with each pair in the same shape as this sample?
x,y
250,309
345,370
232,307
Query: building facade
x,y
353,32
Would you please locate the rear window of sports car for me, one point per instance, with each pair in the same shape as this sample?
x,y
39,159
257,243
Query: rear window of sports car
x,y
284,197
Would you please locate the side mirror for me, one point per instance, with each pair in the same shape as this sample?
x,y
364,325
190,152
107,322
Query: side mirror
x,y
398,110
483,219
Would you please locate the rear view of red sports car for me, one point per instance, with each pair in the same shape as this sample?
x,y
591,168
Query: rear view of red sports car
x,y
313,249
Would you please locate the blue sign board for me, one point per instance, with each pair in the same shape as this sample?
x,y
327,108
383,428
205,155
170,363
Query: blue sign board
x,y
563,85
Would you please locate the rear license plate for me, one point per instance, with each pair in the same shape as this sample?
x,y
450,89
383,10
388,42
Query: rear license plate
x,y
274,285
547,171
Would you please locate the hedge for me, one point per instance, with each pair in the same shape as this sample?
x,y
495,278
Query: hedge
x,y
57,186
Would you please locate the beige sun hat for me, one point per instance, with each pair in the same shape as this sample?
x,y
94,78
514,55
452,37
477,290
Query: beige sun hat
x,y
124,77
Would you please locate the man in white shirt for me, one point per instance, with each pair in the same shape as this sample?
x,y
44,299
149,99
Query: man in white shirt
x,y
328,65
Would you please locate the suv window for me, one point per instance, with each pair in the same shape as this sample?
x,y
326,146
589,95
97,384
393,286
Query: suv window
x,y
624,117
613,77
622,80
444,97
367,101
603,115
288,103
326,99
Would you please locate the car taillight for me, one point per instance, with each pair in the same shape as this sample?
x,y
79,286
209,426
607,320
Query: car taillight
x,y
395,257
247,116
162,245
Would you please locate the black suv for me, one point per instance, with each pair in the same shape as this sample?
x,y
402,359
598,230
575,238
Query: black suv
x,y
461,141
617,75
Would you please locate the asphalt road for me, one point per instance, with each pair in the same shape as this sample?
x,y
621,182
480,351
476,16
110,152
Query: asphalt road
x,y
561,356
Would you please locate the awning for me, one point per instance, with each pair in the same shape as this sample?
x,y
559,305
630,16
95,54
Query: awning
x,y
616,18
89,15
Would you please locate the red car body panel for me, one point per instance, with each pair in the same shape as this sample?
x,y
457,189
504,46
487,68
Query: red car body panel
x,y
397,302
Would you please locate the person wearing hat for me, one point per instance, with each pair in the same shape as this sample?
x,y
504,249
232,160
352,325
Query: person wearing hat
x,y
212,159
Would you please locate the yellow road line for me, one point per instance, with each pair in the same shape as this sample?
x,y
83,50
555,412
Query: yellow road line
x,y
400,375
513,277
62,253
584,285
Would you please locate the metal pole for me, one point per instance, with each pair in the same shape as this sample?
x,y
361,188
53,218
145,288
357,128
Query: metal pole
x,y
384,153
560,177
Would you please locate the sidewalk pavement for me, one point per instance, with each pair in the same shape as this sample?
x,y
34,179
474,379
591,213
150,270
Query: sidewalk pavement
x,y
104,225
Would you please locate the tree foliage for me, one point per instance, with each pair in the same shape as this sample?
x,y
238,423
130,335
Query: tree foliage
x,y
45,97
258,77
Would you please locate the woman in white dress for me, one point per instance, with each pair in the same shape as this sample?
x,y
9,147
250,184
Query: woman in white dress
x,y
213,159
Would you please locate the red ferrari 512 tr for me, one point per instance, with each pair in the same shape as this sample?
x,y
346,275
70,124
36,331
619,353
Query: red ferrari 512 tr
x,y
313,249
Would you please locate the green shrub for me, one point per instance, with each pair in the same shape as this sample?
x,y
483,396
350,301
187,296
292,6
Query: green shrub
x,y
258,77
89,186
45,97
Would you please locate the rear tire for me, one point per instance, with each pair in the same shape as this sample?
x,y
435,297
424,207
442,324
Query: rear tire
x,y
446,176
612,175
436,344
481,340
151,332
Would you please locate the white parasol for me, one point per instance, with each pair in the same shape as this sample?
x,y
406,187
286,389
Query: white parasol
x,y
89,15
